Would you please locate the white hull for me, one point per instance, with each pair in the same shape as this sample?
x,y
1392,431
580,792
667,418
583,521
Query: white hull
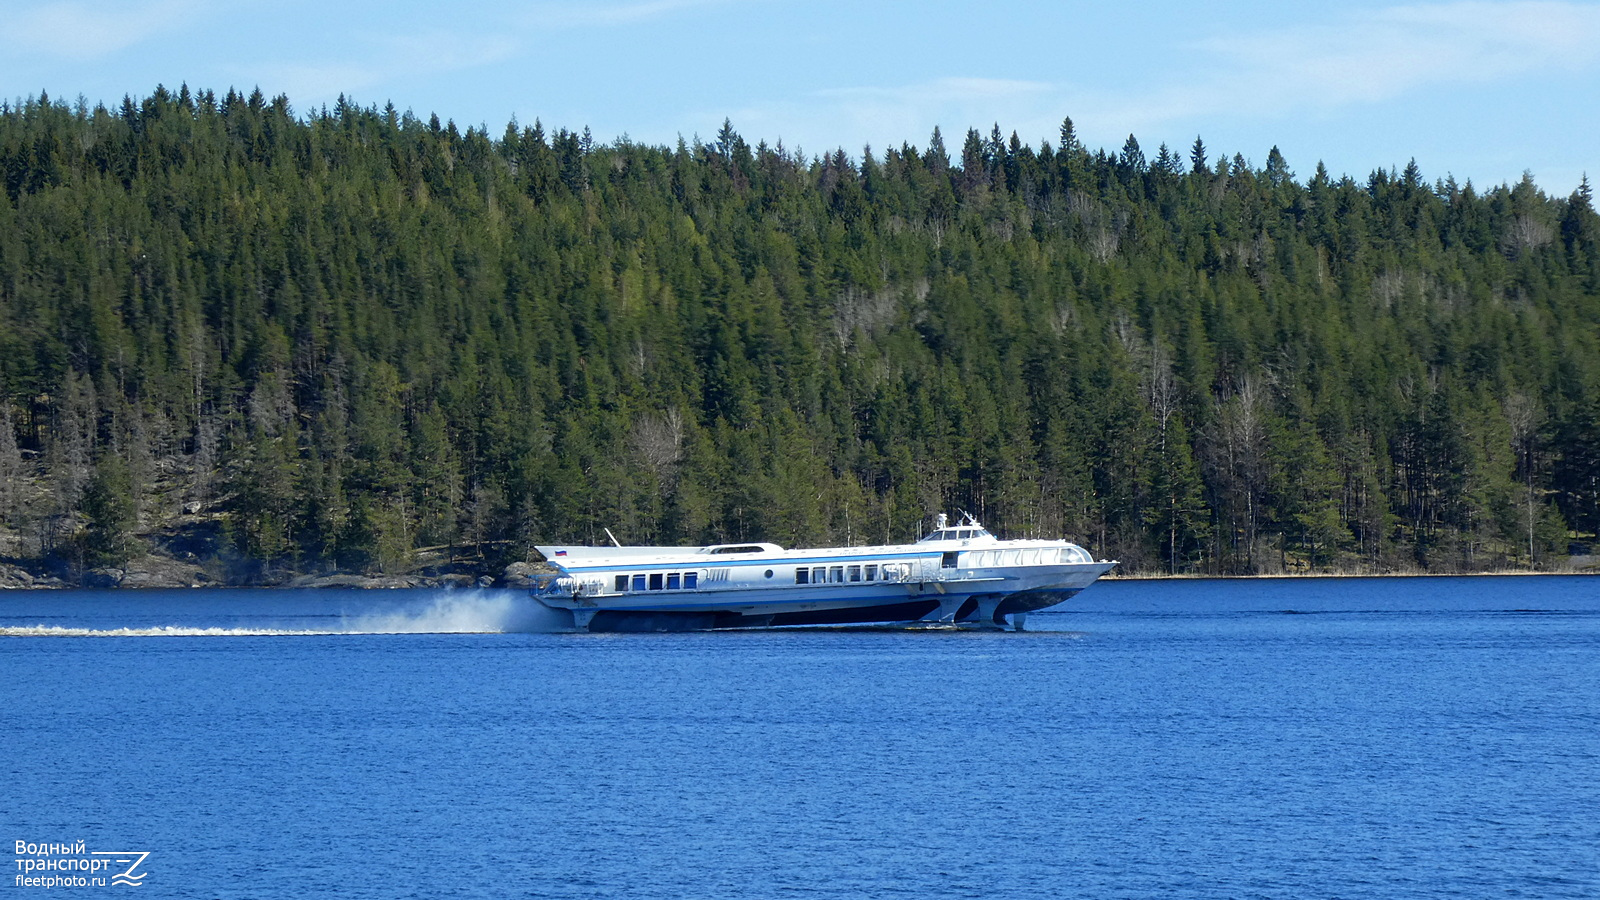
x,y
978,580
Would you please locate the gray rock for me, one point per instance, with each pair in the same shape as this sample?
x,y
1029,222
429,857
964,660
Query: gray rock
x,y
147,580
161,572
331,581
522,574
106,577
370,582
16,578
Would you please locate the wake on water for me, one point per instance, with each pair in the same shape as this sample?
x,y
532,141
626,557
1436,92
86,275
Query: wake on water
x,y
449,611
471,611
163,631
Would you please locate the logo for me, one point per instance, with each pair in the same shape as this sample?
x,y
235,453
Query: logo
x,y
50,865
134,857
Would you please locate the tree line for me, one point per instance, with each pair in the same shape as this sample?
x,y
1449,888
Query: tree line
x,y
343,338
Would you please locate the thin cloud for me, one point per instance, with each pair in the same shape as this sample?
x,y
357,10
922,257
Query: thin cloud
x,y
87,31
1384,54
954,103
1358,59
589,15
944,90
309,84
394,57
1363,59
888,116
444,51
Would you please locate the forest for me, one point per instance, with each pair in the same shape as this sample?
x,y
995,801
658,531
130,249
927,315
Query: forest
x,y
350,339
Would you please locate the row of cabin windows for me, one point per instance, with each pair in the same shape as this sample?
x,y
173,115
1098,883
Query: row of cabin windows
x,y
836,574
659,581
688,581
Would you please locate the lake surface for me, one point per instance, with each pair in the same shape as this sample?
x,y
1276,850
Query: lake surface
x,y
1349,738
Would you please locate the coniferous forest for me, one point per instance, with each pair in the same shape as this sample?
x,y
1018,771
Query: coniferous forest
x,y
349,339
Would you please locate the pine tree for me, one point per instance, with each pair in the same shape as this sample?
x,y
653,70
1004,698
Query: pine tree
x,y
108,508
937,159
1197,158
1278,173
1132,158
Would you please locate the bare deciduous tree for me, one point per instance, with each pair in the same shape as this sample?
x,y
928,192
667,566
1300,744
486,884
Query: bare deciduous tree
x,y
658,439
1235,452
1522,412
10,463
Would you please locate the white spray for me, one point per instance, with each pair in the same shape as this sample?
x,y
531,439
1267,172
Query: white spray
x,y
446,611
468,611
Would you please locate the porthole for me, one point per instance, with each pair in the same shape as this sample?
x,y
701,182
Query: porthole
x,y
769,573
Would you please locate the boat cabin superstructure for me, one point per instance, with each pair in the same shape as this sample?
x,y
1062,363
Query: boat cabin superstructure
x,y
956,573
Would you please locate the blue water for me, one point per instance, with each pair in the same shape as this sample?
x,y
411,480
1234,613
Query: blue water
x,y
1346,738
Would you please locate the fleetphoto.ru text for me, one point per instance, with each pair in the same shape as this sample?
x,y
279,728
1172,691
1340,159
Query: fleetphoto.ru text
x,y
49,865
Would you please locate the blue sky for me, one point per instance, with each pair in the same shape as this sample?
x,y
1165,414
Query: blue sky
x,y
1478,89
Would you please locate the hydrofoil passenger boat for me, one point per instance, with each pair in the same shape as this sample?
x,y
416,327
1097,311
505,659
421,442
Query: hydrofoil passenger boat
x,y
956,575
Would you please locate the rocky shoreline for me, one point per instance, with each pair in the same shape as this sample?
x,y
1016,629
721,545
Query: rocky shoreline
x,y
155,572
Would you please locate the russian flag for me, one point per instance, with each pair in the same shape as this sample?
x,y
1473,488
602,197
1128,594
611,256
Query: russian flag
x,y
561,553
